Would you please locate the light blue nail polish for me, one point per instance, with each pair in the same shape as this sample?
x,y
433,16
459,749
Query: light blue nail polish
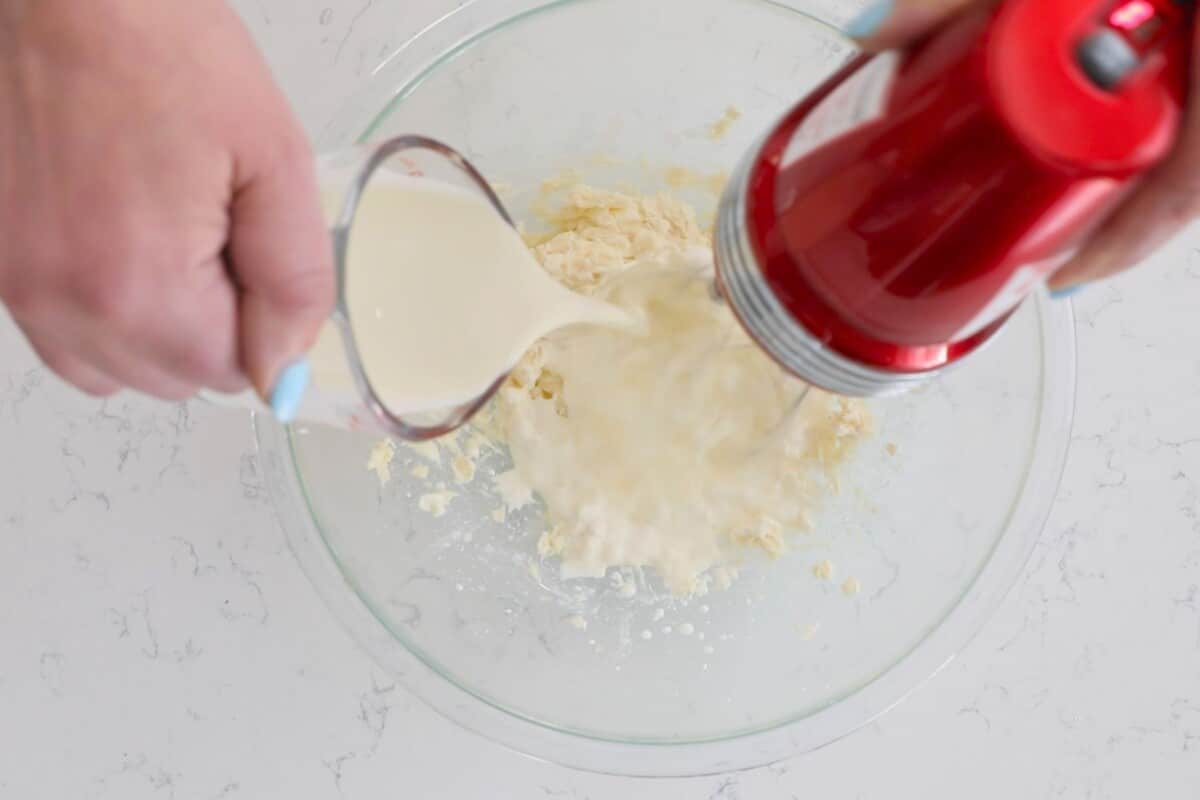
x,y
870,20
1070,291
289,390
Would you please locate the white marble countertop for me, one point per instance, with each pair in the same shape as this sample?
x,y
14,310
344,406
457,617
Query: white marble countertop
x,y
159,641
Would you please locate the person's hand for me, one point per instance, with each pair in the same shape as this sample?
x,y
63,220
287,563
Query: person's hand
x,y
1162,204
160,224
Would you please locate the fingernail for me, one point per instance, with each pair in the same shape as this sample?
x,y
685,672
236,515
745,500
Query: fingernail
x,y
870,20
289,390
1067,291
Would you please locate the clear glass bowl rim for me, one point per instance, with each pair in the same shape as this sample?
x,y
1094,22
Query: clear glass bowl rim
x,y
421,56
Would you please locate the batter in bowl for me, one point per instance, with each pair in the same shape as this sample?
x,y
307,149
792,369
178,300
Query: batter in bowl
x,y
674,445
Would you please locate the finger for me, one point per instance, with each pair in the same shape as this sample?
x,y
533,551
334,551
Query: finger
x,y
166,332
891,23
80,345
282,261
72,369
1166,201
194,337
135,372
88,340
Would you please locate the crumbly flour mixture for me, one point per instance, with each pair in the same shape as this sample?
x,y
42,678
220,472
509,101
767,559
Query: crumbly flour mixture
x,y
674,446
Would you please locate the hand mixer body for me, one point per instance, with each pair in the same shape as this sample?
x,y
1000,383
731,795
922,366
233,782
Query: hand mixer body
x,y
892,221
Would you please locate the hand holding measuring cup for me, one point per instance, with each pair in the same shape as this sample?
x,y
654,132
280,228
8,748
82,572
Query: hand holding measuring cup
x,y
160,225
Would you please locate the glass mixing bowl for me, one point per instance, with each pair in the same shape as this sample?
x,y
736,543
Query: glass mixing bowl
x,y
938,510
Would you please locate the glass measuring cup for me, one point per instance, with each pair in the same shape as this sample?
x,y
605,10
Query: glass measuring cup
x,y
341,392
345,180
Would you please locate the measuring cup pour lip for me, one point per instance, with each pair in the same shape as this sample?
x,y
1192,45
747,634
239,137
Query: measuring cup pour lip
x,y
372,402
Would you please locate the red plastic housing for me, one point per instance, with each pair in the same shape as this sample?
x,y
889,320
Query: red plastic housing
x,y
906,240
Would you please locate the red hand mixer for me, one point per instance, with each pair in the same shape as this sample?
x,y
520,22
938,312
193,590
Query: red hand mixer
x,y
892,221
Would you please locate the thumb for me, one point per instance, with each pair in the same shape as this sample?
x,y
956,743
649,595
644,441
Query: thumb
x,y
281,257
892,23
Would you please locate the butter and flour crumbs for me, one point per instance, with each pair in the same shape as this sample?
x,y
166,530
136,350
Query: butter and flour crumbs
x,y
669,446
